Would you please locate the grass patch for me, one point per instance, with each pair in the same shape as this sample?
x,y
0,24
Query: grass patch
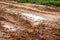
x,y
44,2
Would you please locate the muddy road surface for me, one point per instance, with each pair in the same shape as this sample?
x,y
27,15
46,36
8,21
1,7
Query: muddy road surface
x,y
24,21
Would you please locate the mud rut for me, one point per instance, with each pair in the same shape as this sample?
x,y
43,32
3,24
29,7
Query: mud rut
x,y
19,21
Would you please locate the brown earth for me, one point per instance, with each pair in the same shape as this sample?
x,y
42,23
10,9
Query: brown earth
x,y
16,24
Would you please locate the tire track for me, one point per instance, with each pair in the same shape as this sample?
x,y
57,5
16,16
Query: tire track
x,y
30,8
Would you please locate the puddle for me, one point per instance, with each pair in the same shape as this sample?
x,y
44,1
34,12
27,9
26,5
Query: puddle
x,y
33,17
8,26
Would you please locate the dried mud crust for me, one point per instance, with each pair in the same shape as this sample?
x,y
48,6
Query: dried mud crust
x,y
23,29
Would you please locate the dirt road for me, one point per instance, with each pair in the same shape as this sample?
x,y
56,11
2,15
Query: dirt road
x,y
25,21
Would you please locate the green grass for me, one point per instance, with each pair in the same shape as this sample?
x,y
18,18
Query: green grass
x,y
44,2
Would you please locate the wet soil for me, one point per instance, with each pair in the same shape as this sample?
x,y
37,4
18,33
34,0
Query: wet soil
x,y
19,21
